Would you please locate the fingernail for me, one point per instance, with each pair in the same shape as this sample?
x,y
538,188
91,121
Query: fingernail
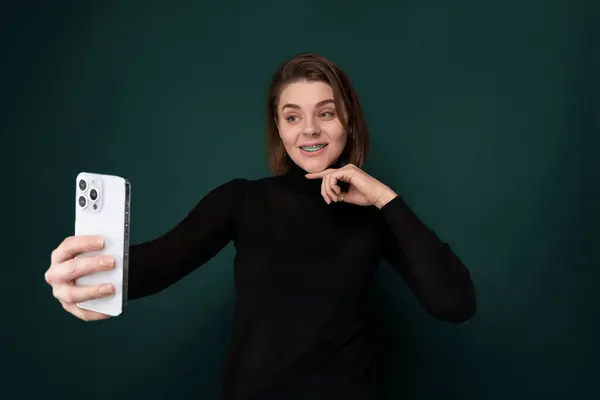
x,y
106,289
98,242
106,261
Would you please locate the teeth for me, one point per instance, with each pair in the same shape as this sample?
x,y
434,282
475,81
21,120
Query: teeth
x,y
313,147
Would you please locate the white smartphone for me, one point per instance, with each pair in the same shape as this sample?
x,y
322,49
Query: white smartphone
x,y
102,207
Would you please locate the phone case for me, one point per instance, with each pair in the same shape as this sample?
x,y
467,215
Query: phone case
x,y
102,208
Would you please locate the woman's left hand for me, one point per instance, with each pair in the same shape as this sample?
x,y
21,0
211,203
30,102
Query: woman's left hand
x,y
364,190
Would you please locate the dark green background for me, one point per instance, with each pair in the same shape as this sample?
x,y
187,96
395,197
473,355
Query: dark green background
x,y
482,115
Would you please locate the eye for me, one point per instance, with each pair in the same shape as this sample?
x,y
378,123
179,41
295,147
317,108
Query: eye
x,y
291,118
327,114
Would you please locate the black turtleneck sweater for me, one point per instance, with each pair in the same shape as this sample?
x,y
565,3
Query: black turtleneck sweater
x,y
302,271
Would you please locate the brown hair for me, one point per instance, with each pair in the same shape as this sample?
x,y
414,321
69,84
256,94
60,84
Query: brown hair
x,y
313,67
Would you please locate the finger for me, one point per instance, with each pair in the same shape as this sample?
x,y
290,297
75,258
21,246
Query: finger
x,y
74,245
85,315
353,197
324,190
321,174
76,294
77,267
328,188
333,184
343,175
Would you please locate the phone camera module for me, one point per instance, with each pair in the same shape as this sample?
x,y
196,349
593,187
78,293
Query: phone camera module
x,y
82,185
93,195
82,201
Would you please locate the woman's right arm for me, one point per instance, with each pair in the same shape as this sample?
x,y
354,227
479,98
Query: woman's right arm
x,y
153,265
157,264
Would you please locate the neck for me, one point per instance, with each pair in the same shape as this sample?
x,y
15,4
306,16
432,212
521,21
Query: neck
x,y
296,177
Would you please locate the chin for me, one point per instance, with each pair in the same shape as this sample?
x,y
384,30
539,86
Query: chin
x,y
314,165
312,169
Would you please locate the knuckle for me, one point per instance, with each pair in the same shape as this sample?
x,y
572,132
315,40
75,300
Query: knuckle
x,y
68,240
67,296
70,269
54,255
48,276
61,247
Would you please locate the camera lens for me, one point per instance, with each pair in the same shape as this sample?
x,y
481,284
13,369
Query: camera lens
x,y
82,201
82,185
93,194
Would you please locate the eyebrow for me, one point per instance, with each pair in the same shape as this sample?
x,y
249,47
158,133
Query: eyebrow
x,y
319,104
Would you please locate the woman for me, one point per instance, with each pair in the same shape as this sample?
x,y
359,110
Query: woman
x,y
308,240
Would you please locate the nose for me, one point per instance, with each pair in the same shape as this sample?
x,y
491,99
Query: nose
x,y
311,128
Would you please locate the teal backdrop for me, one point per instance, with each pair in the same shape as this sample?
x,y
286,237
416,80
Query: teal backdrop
x,y
484,116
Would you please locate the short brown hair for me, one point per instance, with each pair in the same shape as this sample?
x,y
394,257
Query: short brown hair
x,y
313,67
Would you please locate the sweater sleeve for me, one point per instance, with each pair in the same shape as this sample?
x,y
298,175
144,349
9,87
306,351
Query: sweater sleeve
x,y
441,282
157,264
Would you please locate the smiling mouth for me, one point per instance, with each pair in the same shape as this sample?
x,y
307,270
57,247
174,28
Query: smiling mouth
x,y
314,147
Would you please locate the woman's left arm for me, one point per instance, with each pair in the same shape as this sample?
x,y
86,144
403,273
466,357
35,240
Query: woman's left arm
x,y
439,279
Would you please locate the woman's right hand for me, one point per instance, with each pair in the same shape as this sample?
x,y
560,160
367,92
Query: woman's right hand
x,y
65,268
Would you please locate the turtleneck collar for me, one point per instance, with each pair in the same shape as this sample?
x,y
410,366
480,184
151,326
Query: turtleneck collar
x,y
296,177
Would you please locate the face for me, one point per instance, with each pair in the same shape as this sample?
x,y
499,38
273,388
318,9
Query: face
x,y
309,127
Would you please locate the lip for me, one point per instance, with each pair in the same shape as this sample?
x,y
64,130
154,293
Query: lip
x,y
313,144
313,153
